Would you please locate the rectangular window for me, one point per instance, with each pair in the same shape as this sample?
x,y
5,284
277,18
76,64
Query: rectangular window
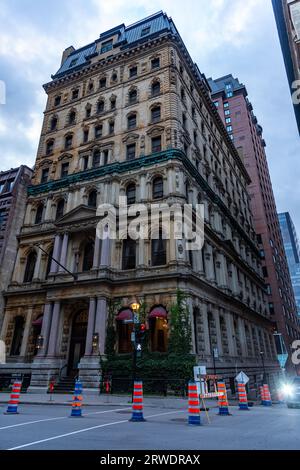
x,y
106,46
227,112
216,103
9,185
85,136
64,170
98,131
226,104
85,163
155,63
229,94
1,187
133,72
228,120
156,144
102,82
111,127
130,152
2,218
75,94
229,128
105,157
45,175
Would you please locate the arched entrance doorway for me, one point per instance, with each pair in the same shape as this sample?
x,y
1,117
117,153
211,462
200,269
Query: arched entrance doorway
x,y
78,339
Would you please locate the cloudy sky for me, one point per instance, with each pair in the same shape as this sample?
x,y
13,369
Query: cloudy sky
x,y
223,36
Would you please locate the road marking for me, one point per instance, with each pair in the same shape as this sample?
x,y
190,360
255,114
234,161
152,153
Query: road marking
x,y
89,429
59,417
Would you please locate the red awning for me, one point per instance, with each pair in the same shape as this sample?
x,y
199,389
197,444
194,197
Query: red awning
x,y
38,321
124,315
158,312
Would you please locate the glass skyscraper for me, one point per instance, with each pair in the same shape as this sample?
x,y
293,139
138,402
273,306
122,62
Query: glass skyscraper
x,y
292,250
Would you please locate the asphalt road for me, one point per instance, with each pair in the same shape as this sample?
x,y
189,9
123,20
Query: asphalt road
x,y
49,427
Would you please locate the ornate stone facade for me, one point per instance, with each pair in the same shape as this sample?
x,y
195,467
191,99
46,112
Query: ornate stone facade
x,y
133,109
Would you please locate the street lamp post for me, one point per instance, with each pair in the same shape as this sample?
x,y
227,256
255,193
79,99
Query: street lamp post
x,y
263,363
135,311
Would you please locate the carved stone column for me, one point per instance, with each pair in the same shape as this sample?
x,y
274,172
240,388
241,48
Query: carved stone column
x,y
54,329
91,326
45,331
56,254
100,322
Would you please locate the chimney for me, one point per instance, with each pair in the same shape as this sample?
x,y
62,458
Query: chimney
x,y
66,53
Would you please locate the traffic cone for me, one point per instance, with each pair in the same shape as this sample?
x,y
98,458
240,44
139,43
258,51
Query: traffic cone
x,y
267,401
243,401
137,405
261,393
13,403
77,400
222,400
194,405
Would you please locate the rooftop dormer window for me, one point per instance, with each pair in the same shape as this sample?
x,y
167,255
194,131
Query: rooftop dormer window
x,y
106,46
145,31
73,62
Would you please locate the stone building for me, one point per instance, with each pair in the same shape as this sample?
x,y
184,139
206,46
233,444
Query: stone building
x,y
231,99
13,194
131,114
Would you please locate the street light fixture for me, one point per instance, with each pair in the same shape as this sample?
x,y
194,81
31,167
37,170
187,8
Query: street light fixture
x,y
40,342
263,363
95,342
135,307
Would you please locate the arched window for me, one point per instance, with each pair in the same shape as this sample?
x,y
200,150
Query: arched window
x,y
49,146
92,200
131,193
30,266
157,188
49,262
131,121
129,254
72,117
53,123
155,88
39,214
18,336
124,331
100,106
132,97
60,209
155,114
159,251
88,256
158,325
96,158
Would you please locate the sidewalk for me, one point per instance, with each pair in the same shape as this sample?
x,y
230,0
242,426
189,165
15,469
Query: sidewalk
x,y
100,400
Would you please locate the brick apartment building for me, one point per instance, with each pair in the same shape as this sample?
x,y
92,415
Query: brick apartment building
x,y
236,111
